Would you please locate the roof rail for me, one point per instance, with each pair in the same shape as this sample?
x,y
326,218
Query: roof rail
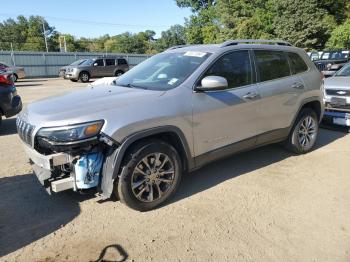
x,y
176,47
255,41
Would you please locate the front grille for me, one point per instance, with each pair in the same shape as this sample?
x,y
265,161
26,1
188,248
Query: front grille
x,y
321,67
25,131
337,92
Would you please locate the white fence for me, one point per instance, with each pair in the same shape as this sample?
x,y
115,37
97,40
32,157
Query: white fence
x,y
40,64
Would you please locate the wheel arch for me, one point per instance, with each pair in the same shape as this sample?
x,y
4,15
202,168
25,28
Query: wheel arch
x,y
170,134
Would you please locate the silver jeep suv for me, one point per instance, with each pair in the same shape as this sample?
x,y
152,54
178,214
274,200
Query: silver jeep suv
x,y
171,114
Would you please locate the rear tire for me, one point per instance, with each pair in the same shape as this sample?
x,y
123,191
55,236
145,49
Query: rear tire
x,y
150,176
119,73
303,134
84,77
14,77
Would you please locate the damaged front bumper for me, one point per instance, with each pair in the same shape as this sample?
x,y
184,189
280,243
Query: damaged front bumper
x,y
62,171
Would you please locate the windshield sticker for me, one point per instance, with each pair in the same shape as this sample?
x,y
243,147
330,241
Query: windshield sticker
x,y
195,54
172,81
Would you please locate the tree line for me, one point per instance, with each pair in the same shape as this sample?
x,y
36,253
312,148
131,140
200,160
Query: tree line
x,y
309,24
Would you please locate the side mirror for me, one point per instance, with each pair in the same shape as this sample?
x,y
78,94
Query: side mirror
x,y
95,64
212,83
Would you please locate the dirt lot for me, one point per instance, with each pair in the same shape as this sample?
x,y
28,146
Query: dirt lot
x,y
263,205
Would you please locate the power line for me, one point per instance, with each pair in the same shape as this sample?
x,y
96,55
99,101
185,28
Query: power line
x,y
99,23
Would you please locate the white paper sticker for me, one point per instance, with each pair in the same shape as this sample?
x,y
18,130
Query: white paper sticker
x,y
195,53
172,81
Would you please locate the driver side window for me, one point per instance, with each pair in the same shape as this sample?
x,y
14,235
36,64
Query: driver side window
x,y
235,67
99,62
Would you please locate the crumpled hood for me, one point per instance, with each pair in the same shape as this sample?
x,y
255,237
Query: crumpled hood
x,y
337,82
88,104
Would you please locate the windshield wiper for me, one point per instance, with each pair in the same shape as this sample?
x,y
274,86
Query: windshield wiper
x,y
131,86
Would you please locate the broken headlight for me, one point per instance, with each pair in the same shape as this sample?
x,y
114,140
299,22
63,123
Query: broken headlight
x,y
71,133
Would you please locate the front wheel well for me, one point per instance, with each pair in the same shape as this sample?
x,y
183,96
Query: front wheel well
x,y
168,137
315,106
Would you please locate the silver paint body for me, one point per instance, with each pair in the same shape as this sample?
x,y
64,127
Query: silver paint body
x,y
208,120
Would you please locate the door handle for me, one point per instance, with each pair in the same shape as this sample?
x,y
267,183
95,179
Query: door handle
x,y
251,95
298,86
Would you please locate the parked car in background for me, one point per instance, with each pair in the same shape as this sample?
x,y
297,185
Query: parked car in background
x,y
174,113
337,97
16,71
97,67
331,61
10,101
314,55
62,71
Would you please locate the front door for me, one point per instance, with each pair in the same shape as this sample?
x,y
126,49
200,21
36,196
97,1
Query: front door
x,y
223,118
98,68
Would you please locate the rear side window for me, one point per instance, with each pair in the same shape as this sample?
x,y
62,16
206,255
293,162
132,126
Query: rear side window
x,y
235,67
271,64
297,63
110,62
122,62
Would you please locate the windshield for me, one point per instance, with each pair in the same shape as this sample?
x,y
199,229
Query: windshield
x,y
335,55
345,71
78,62
163,71
87,62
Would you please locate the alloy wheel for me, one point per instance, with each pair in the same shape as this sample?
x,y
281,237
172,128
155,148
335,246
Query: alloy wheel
x,y
152,177
307,132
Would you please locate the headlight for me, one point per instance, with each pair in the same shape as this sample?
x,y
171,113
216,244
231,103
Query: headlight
x,y
71,133
335,67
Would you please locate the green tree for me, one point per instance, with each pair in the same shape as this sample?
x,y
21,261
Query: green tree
x,y
175,35
340,37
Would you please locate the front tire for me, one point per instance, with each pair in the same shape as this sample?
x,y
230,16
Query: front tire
x,y
150,176
84,77
303,134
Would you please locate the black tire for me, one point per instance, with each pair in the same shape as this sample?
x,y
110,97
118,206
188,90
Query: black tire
x,y
128,195
295,138
118,73
73,80
84,77
14,77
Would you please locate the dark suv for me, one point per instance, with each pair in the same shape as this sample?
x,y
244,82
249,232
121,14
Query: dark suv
x,y
10,102
97,67
331,61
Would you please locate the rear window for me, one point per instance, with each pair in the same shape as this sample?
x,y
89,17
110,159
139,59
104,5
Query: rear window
x,y
271,64
297,63
110,62
122,62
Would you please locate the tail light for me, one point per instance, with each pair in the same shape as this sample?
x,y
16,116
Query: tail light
x,y
6,80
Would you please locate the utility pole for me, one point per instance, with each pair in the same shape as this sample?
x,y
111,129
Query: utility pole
x,y
47,49
65,44
59,39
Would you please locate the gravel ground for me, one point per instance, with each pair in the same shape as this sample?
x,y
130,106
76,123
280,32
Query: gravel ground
x,y
263,205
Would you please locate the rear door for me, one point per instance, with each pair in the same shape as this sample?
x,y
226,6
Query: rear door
x,y
225,117
110,67
280,90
